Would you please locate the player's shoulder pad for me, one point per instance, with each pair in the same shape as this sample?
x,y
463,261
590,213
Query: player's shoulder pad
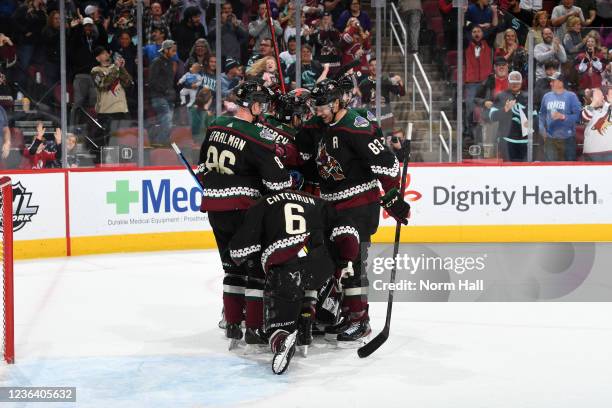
x,y
355,121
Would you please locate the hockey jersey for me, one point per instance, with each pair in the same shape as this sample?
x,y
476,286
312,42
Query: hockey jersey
x,y
240,165
350,160
598,129
287,225
284,135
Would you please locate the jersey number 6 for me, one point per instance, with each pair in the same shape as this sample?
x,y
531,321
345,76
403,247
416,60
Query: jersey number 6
x,y
294,223
220,162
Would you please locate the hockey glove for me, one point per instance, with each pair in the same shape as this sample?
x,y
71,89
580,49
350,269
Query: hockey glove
x,y
395,206
280,151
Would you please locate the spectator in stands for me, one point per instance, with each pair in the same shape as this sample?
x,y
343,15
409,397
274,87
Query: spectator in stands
x,y
550,49
233,33
312,70
209,74
512,52
153,18
199,53
188,31
517,19
151,51
290,29
190,82
41,153
124,20
606,76
285,15
510,111
598,129
561,13
540,20
449,18
231,76
590,65
6,90
30,18
355,45
124,47
589,11
334,8
265,50
71,151
390,85
533,5
411,12
559,112
325,41
397,142
82,42
8,52
161,90
573,41
93,12
496,83
259,28
111,79
482,15
202,6
6,134
264,70
50,39
604,13
354,11
542,85
201,115
478,66
288,56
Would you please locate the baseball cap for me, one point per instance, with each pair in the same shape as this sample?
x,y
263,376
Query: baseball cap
x,y
89,10
87,20
229,64
515,77
166,45
558,76
500,61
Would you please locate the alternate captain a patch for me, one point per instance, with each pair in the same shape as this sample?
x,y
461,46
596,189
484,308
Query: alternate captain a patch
x,y
328,165
361,122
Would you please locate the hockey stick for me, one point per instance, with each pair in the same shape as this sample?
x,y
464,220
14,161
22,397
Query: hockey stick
x,y
188,166
381,337
273,38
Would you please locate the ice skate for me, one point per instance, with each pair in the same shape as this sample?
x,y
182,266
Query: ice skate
x,y
283,347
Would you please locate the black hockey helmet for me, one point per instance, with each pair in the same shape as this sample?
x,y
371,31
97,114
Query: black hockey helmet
x,y
249,92
326,92
295,103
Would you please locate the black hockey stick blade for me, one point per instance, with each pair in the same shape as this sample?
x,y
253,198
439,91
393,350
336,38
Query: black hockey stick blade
x,y
380,339
187,165
374,344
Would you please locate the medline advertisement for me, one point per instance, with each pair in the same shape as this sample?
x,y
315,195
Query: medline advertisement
x,y
134,202
446,202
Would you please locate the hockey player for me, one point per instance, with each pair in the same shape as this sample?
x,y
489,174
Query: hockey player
x,y
301,242
351,161
241,166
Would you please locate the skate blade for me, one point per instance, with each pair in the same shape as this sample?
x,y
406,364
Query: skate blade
x,y
256,349
281,360
302,350
233,344
354,343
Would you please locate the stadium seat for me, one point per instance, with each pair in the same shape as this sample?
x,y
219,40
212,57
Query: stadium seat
x,y
451,58
549,5
127,137
182,137
431,9
163,157
437,25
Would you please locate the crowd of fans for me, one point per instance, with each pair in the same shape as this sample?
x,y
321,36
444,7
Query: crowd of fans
x,y
179,63
573,57
179,60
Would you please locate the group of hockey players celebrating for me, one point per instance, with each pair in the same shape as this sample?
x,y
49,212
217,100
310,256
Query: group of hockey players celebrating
x,y
291,185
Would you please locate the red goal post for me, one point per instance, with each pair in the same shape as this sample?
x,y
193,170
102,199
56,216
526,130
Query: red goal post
x,y
8,332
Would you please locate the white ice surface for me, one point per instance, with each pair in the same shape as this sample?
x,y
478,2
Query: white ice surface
x,y
140,330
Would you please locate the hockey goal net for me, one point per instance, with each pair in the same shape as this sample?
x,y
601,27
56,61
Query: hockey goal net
x,y
6,252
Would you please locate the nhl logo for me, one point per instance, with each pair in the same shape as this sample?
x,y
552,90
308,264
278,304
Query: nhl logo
x,y
22,210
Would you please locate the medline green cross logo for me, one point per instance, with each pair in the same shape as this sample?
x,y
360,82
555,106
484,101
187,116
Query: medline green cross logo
x,y
122,197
